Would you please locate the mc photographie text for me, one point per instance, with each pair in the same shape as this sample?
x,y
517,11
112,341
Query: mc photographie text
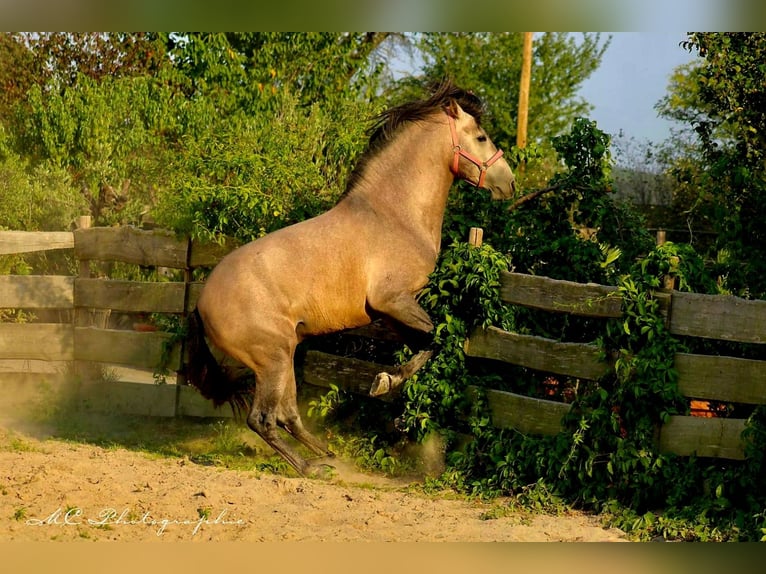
x,y
112,517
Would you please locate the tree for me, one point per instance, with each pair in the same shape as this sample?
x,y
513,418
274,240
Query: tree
x,y
71,107
56,60
132,119
230,123
243,70
723,98
490,64
19,70
290,121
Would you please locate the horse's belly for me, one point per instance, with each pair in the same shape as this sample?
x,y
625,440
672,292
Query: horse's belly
x,y
332,312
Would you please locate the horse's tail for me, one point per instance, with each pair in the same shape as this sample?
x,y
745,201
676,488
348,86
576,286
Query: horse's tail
x,y
207,376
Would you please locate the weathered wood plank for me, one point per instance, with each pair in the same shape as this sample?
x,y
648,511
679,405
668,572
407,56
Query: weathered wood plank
x,y
40,341
12,242
119,397
32,366
588,299
123,347
192,404
354,375
130,245
713,437
573,359
130,296
194,288
721,378
525,414
36,292
209,254
718,317
376,330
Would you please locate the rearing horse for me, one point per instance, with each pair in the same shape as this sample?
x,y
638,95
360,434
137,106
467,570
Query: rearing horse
x,y
365,258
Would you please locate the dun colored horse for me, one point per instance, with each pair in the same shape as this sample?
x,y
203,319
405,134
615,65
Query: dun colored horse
x,y
365,258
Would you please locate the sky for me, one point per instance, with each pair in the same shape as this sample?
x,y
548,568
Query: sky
x,y
632,78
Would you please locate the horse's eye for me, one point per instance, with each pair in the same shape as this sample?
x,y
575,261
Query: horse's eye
x,y
482,138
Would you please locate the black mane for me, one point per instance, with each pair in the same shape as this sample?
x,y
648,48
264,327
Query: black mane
x,y
388,122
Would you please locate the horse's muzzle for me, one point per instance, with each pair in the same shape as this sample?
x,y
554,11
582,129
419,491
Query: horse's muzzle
x,y
504,190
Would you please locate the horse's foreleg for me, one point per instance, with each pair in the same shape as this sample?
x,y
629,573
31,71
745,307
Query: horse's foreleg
x,y
404,310
387,382
415,327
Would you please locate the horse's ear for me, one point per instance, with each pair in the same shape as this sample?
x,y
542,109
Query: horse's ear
x,y
452,108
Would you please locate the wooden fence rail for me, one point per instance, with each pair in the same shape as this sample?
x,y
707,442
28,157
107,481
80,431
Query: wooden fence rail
x,y
720,378
35,346
731,379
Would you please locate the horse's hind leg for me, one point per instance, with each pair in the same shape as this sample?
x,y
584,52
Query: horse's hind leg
x,y
273,380
274,406
289,419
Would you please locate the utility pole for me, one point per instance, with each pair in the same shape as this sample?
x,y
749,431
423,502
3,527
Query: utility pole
x,y
526,74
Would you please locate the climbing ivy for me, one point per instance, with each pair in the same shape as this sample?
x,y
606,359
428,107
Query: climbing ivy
x,y
463,292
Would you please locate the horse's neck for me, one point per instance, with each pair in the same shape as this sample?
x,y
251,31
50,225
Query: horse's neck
x,y
409,181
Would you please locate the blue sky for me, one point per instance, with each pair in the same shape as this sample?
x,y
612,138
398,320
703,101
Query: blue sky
x,y
632,78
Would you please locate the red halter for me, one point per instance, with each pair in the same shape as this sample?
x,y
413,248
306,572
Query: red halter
x,y
458,151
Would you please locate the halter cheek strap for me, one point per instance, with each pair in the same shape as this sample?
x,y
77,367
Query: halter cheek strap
x,y
459,151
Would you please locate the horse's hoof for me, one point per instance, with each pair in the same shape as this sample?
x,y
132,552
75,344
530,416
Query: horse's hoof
x,y
380,385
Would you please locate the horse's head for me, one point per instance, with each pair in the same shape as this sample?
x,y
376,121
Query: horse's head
x,y
475,158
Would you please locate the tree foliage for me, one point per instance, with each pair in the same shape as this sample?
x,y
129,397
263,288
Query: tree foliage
x,y
491,62
244,69
133,119
722,97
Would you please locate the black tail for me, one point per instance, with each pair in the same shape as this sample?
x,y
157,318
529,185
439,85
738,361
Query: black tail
x,y
206,375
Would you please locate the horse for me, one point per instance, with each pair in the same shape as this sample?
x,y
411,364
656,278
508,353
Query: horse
x,y
365,258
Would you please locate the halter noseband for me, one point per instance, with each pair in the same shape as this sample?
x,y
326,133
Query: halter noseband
x,y
459,151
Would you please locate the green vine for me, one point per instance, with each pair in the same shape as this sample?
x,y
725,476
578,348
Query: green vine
x,y
463,293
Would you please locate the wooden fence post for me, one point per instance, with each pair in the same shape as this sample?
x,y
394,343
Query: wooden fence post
x,y
526,74
181,378
669,282
85,317
475,236
89,317
83,267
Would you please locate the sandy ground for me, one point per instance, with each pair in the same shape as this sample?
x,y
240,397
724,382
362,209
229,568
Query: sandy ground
x,y
55,490
52,489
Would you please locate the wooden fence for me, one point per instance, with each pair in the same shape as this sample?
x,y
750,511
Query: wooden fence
x,y
728,379
83,336
702,377
718,378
